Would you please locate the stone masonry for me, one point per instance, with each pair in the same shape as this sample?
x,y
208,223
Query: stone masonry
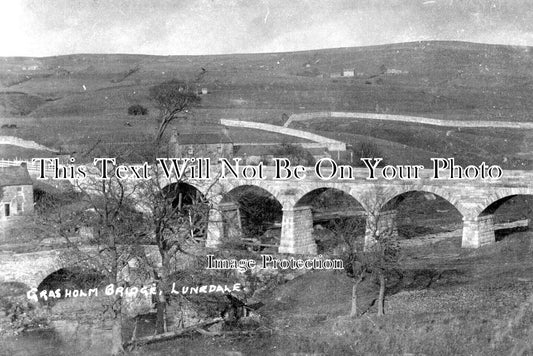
x,y
297,231
471,198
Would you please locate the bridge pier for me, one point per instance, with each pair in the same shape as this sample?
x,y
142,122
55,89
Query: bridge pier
x,y
381,225
224,224
231,218
215,229
297,231
478,231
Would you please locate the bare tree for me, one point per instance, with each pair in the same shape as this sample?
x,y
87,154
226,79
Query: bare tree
x,y
107,209
372,253
349,230
177,216
381,248
171,98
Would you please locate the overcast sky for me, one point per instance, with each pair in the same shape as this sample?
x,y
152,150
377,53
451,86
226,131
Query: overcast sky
x,y
53,27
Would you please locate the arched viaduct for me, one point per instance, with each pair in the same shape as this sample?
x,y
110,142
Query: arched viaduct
x,y
475,200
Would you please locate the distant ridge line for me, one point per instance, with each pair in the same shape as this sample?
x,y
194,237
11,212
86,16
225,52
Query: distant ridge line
x,y
405,118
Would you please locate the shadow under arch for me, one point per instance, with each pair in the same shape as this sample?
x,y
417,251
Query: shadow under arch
x,y
187,207
338,218
524,203
418,212
251,209
328,198
181,194
510,214
70,278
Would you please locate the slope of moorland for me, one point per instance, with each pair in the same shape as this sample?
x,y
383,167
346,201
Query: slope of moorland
x,y
441,300
67,100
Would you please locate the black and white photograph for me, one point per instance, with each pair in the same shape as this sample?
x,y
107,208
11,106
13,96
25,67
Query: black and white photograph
x,y
266,177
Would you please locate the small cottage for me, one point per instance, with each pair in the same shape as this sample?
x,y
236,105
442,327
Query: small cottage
x,y
16,192
348,72
202,145
16,199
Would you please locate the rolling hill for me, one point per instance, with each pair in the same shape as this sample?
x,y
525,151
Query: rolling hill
x,y
82,98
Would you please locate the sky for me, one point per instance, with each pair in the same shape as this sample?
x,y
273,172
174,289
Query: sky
x,y
188,27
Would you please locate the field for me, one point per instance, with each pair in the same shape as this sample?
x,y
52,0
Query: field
x,y
442,301
83,99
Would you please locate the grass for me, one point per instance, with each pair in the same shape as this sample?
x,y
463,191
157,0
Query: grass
x,y
448,80
464,305
405,143
445,300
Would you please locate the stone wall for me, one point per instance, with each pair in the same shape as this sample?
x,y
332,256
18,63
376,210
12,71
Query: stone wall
x,y
215,151
15,141
413,119
333,145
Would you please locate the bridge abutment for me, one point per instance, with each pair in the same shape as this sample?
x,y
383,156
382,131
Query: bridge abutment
x,y
297,231
380,225
478,231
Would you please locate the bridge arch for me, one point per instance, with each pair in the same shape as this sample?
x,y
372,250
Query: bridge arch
x,y
479,226
307,197
507,214
32,268
190,208
391,196
182,194
249,210
201,185
72,277
422,209
499,197
336,210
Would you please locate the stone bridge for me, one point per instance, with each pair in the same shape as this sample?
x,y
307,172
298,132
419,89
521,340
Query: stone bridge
x,y
476,200
31,268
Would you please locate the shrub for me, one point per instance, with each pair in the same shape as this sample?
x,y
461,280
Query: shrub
x,y
137,110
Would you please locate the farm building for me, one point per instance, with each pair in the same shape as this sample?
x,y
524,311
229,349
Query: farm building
x,y
200,145
16,195
348,72
30,67
344,73
396,71
253,154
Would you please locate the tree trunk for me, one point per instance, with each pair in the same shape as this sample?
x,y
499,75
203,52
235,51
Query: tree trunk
x,y
353,312
171,335
161,306
116,334
381,298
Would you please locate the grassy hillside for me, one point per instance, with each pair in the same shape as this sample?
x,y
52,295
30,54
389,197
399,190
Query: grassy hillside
x,y
442,300
83,97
